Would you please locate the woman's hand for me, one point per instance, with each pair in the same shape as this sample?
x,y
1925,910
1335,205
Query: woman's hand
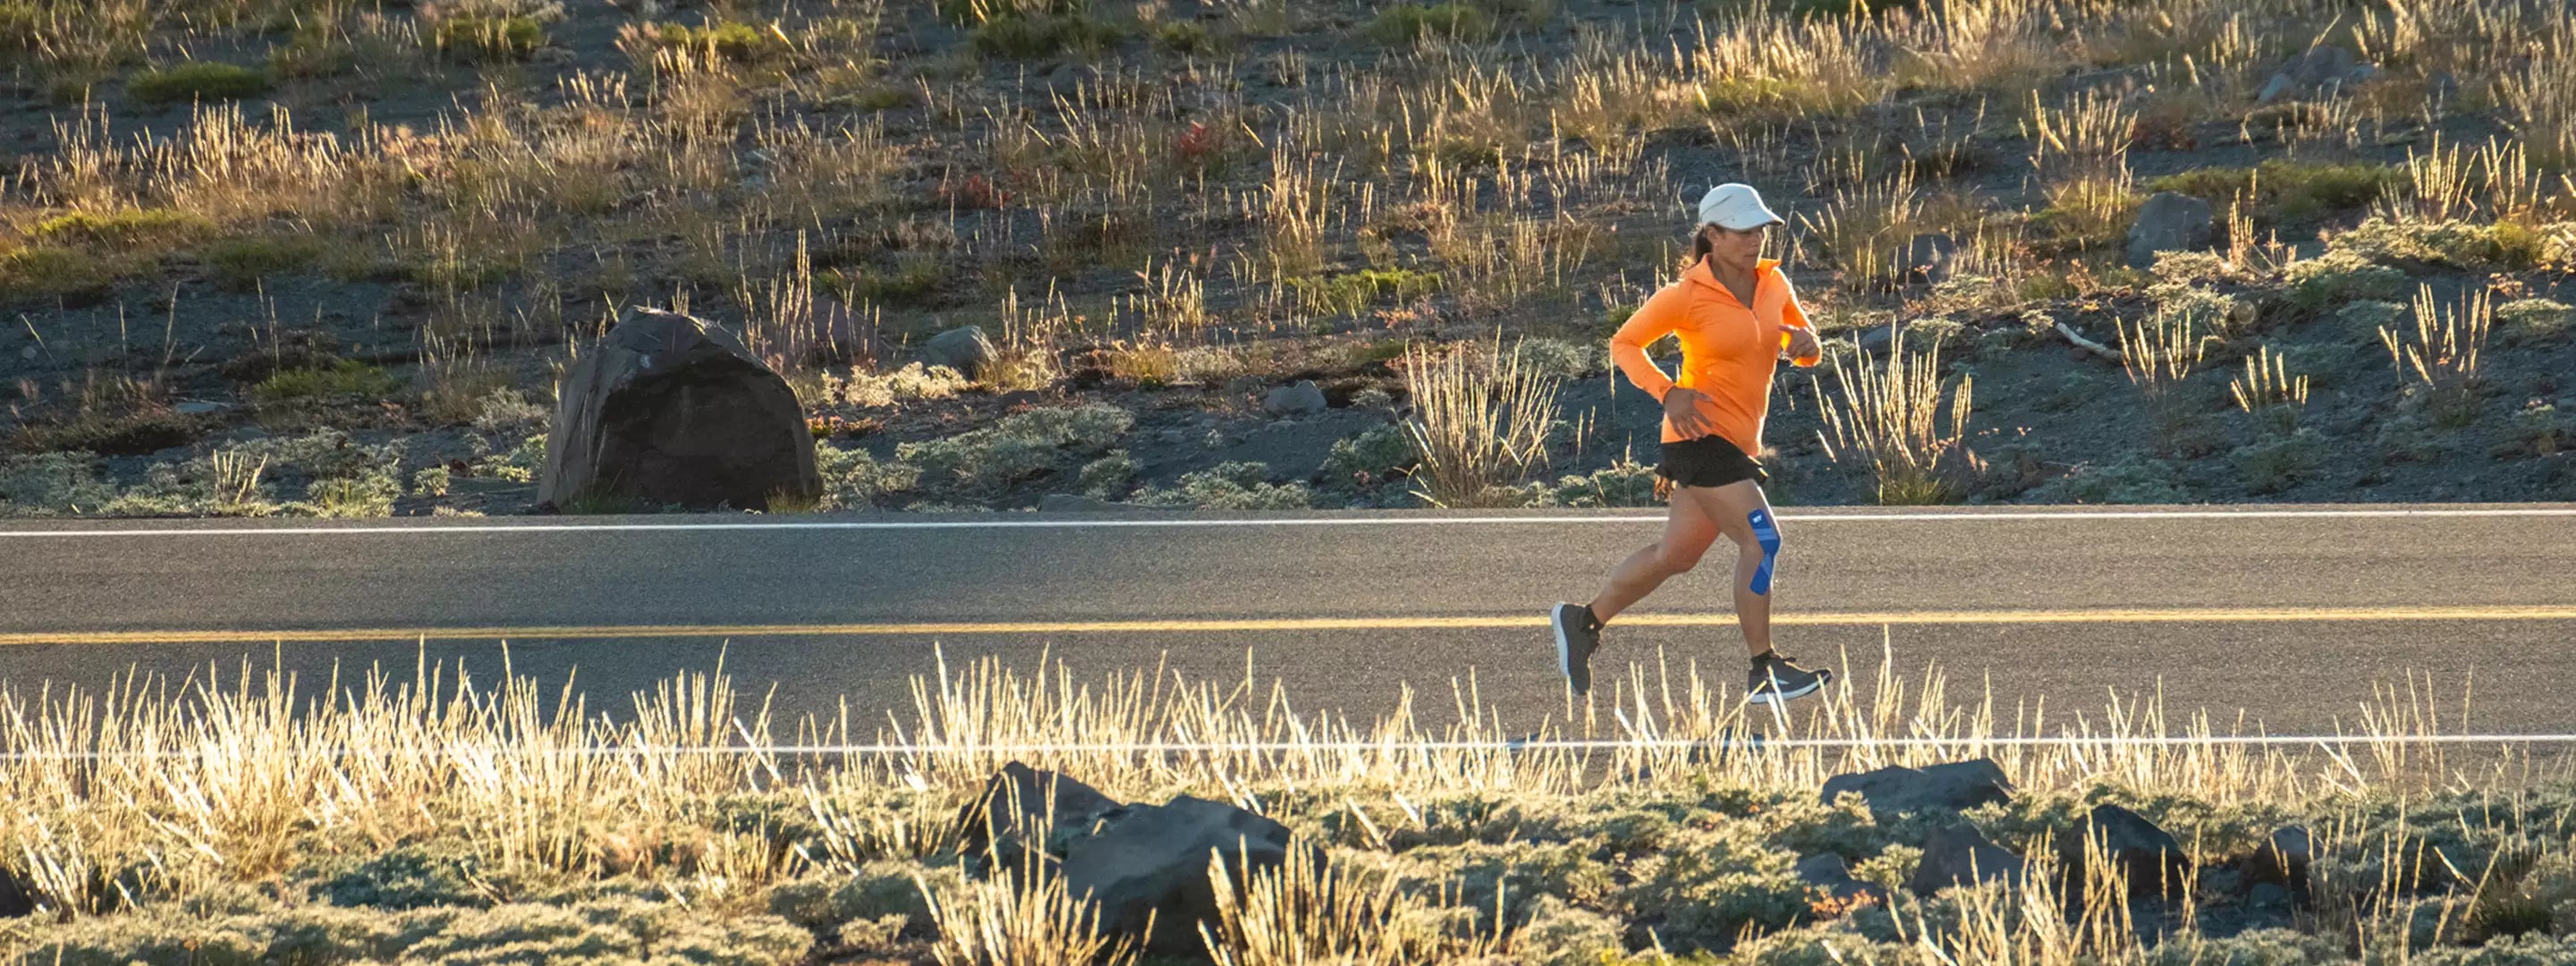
x,y
1804,349
1682,407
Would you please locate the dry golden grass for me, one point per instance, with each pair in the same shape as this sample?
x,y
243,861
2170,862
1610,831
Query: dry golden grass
x,y
1481,421
224,779
1888,416
2440,357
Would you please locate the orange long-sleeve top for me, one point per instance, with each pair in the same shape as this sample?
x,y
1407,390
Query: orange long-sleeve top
x,y
1729,350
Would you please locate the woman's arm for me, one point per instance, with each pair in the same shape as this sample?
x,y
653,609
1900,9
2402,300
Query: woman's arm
x,y
1654,320
1796,335
1659,317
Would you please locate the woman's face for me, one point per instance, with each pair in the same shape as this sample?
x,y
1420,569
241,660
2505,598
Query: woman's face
x,y
1735,247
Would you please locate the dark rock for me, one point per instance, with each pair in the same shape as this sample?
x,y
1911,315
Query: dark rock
x,y
1877,338
2267,895
17,895
1303,397
668,409
1928,258
2283,859
2169,222
1960,854
1153,862
1021,803
1829,874
2149,858
1947,787
2322,70
965,349
2323,64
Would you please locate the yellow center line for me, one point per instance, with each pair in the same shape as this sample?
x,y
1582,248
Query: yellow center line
x,y
919,629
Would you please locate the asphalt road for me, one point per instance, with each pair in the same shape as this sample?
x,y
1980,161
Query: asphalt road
x,y
2288,617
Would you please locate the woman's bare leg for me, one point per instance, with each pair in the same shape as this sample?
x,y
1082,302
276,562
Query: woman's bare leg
x,y
1731,507
1688,531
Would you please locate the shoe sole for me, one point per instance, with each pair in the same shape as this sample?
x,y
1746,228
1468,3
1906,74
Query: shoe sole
x,y
1564,647
1784,697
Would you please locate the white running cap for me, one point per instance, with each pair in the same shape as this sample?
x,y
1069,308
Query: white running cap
x,y
1737,207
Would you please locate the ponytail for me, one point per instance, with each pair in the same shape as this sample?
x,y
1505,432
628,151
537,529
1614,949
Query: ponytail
x,y
1699,248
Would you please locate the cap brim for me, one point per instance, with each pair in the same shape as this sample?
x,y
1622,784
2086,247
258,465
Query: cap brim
x,y
1756,223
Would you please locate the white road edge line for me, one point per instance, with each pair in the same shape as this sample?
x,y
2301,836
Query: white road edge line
x,y
1637,518
1405,747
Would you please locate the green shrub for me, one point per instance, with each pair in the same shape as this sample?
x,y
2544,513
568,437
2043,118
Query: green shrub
x,y
120,434
520,465
1475,875
2368,316
914,280
2123,481
885,98
1410,23
1559,934
339,380
2541,430
53,271
52,484
2287,190
485,39
854,480
125,228
1350,292
440,872
170,933
965,13
2505,245
1377,455
1709,883
877,890
1042,35
2278,462
2340,278
738,42
1020,447
241,264
1230,486
2532,321
1183,37
197,81
1625,483
1108,475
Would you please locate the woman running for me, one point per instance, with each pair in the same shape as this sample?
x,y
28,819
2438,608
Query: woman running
x,y
1735,316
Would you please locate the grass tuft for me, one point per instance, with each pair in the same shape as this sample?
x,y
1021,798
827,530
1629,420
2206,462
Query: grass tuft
x,y
197,81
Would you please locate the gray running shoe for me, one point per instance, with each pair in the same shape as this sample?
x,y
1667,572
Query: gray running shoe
x,y
1776,680
1577,636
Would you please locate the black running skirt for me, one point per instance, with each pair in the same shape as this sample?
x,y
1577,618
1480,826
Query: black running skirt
x,y
1708,461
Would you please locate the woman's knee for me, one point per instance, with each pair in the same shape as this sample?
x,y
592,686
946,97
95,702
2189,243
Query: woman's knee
x,y
1680,556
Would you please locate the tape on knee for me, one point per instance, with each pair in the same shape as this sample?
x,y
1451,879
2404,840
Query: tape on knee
x,y
1769,536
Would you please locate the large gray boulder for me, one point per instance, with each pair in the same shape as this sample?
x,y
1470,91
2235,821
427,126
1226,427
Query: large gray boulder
x,y
1951,787
1303,397
2169,222
1023,805
2151,860
965,349
2283,859
2320,71
668,409
1960,854
1152,862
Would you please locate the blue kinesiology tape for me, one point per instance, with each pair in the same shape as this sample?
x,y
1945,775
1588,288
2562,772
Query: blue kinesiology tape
x,y
1769,536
